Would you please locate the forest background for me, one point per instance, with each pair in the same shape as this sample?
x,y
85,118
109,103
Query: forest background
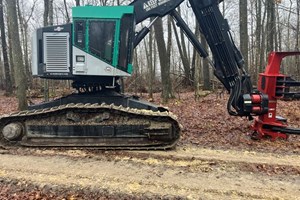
x,y
165,61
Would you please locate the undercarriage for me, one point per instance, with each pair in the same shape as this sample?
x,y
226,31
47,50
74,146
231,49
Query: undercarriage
x,y
106,120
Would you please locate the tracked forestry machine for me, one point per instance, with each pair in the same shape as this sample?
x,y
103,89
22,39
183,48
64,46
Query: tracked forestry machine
x,y
96,50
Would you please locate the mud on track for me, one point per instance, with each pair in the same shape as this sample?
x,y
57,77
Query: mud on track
x,y
187,172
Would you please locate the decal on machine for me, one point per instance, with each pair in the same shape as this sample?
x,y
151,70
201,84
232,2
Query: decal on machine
x,y
151,4
58,28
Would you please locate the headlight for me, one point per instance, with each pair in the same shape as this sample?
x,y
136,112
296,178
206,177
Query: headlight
x,y
80,58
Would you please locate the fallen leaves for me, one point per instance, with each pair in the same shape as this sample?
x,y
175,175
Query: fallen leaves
x,y
206,123
7,105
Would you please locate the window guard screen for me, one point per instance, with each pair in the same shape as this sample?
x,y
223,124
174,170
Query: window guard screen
x,y
80,33
126,37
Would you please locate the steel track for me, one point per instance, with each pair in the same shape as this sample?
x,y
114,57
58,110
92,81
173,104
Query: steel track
x,y
143,143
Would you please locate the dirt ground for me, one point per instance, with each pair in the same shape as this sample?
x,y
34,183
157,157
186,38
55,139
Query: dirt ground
x,y
215,159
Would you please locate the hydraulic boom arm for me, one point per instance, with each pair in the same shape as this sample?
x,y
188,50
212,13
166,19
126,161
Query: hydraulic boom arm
x,y
228,62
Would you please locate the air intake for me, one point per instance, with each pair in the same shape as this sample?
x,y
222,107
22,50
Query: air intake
x,y
56,52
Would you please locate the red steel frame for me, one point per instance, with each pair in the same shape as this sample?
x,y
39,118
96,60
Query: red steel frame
x,y
267,84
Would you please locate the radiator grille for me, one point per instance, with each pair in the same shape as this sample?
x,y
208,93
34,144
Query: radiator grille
x,y
56,52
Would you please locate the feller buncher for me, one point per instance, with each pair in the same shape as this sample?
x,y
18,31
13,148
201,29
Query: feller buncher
x,y
96,50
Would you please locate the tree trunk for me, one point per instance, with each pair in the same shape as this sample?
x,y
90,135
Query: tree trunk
x,y
46,23
206,74
271,25
46,12
17,54
279,28
24,36
288,30
8,81
251,62
50,12
196,66
67,13
244,31
164,63
149,58
168,69
297,46
151,67
185,60
183,56
258,35
10,55
262,56
136,70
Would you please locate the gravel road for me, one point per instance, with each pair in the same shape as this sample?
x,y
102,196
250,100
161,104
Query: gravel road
x,y
187,172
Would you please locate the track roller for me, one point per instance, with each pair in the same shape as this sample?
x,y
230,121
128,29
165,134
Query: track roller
x,y
12,131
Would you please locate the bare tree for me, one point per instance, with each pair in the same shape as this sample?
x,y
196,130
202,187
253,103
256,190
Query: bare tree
x,y
279,28
183,55
67,13
183,51
150,63
50,12
46,23
10,55
297,46
8,87
206,73
46,12
271,25
196,66
164,61
258,35
24,33
20,77
263,42
244,30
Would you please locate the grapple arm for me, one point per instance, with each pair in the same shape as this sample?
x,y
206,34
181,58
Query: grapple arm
x,y
228,60
276,86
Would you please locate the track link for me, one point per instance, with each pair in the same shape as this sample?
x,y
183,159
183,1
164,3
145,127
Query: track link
x,y
98,126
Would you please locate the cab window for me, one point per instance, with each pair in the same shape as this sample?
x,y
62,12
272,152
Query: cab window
x,y
101,39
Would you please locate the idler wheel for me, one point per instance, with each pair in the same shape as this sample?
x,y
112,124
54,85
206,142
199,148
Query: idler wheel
x,y
12,131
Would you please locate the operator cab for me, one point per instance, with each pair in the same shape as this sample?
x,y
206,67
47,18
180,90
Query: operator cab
x,y
96,48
